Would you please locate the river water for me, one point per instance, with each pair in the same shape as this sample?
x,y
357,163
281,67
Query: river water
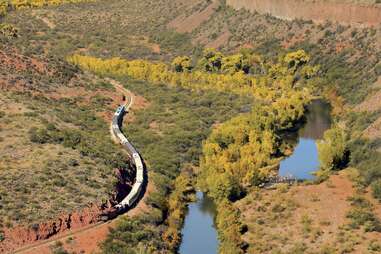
x,y
199,233
305,160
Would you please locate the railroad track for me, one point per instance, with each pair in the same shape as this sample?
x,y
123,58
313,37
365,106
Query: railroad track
x,y
33,246
135,192
137,188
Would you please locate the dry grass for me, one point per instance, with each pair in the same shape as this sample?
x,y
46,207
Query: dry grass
x,y
303,219
42,181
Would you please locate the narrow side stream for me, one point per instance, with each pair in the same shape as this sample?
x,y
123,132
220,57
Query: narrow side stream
x,y
305,160
199,233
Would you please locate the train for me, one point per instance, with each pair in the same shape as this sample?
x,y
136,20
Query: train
x,y
137,188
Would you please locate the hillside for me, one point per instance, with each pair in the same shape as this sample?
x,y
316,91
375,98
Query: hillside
x,y
215,120
366,13
47,109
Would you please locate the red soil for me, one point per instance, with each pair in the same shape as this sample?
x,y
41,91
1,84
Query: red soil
x,y
326,205
373,130
80,242
184,24
155,48
77,222
21,235
332,195
12,64
18,62
88,240
373,102
221,40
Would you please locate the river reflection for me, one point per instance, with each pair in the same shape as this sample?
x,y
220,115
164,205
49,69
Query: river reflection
x,y
199,233
304,160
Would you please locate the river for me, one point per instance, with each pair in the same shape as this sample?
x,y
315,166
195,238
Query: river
x,y
305,160
199,233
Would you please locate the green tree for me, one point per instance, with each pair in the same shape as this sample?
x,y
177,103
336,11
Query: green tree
x,y
4,5
232,64
296,59
182,63
376,189
333,152
211,60
7,29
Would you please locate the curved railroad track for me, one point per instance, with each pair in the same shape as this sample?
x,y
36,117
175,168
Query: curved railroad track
x,y
137,190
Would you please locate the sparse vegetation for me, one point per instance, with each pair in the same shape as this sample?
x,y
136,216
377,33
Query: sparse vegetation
x,y
376,188
57,248
206,89
68,168
362,215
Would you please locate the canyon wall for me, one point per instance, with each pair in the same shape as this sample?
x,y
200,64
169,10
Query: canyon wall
x,y
318,11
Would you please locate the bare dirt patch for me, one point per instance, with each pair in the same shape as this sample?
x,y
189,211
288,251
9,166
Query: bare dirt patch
x,y
221,40
155,126
13,60
373,130
43,15
373,102
155,48
186,24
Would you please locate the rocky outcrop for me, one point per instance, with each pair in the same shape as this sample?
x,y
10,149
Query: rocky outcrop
x,y
318,11
23,235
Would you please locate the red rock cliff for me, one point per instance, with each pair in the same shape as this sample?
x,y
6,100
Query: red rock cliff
x,y
318,11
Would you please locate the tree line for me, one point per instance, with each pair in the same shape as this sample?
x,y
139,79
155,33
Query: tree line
x,y
7,5
242,152
244,73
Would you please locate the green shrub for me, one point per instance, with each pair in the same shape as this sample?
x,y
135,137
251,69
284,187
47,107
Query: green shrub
x,y
366,158
377,69
374,245
8,30
333,152
376,189
229,228
39,135
361,214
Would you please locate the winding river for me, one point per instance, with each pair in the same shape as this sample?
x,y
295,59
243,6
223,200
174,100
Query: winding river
x,y
199,233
